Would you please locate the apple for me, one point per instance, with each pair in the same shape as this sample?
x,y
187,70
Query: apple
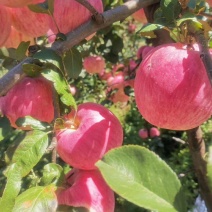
x,y
154,132
172,89
142,51
87,189
120,96
70,14
116,81
94,64
16,37
73,89
30,23
5,20
131,28
29,97
90,132
140,16
143,133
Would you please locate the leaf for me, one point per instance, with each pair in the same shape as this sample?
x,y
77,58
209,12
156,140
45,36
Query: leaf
x,y
39,8
141,177
51,6
5,127
21,50
32,70
61,87
209,167
49,56
73,63
42,199
11,189
52,174
33,123
30,150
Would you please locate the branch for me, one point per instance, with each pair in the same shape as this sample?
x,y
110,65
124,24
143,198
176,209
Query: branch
x,y
76,36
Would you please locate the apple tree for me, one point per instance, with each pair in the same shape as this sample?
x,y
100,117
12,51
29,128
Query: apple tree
x,y
105,105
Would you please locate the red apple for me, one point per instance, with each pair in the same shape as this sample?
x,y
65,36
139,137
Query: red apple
x,y
143,133
140,16
91,132
120,96
142,51
29,97
70,14
154,132
16,37
5,20
30,23
94,64
116,81
87,189
172,89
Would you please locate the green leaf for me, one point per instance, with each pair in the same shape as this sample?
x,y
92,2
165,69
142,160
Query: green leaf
x,y
32,70
7,53
52,174
39,8
30,150
151,27
33,123
37,199
21,50
5,127
72,61
209,167
60,86
11,189
49,56
51,6
141,177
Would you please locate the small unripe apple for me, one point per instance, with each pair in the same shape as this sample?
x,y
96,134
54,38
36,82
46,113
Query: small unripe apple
x,y
154,132
172,89
16,37
5,21
131,28
140,16
29,97
143,133
30,23
91,132
94,64
70,14
87,189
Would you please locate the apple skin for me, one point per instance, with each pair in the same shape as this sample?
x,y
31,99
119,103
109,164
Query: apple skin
x,y
172,89
140,16
29,97
70,14
93,132
94,64
5,20
143,133
16,37
116,81
154,132
120,96
87,189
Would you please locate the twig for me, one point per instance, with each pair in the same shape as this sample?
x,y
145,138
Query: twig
x,y
96,15
197,150
179,140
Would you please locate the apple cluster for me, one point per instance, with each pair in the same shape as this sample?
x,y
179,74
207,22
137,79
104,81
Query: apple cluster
x,y
16,27
152,132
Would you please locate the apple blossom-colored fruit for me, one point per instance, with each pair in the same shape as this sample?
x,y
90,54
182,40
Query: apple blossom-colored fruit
x,y
89,134
87,189
73,89
131,28
120,96
154,132
29,97
116,81
70,14
94,64
172,89
140,16
142,51
5,21
16,37
143,133
30,23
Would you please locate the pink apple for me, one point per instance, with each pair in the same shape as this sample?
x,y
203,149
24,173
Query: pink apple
x,y
87,189
131,28
30,23
29,97
116,81
172,89
143,133
142,51
94,64
91,132
16,37
70,14
73,89
154,132
120,96
5,21
140,16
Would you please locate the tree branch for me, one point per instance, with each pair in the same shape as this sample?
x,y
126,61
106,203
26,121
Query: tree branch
x,y
76,36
